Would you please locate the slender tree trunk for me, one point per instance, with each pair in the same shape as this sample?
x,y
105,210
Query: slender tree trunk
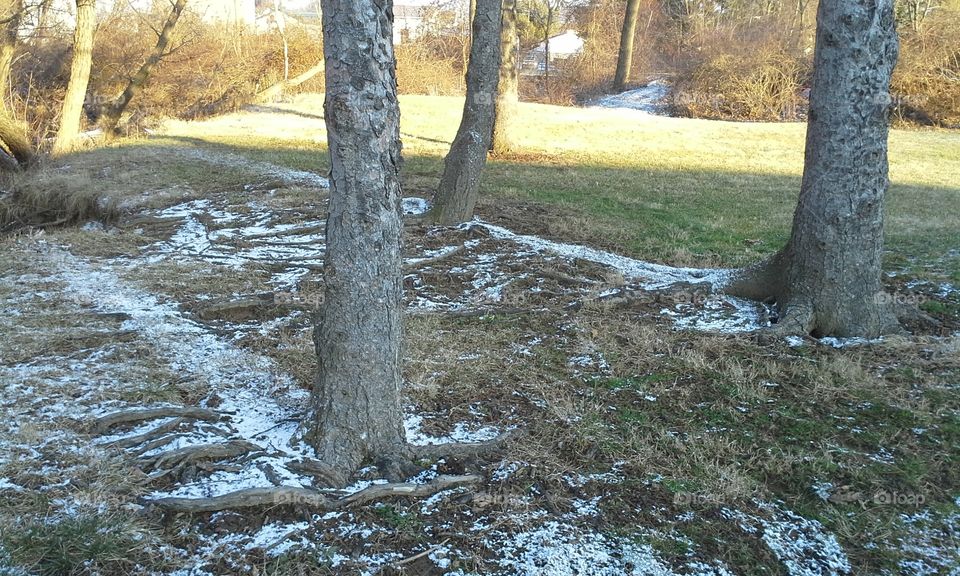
x,y
11,12
111,113
355,412
826,281
625,56
13,135
459,187
79,76
507,87
546,50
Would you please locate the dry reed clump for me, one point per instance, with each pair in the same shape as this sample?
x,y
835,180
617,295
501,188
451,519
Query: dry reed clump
x,y
49,199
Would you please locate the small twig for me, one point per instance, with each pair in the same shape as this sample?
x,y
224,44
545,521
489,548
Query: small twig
x,y
416,557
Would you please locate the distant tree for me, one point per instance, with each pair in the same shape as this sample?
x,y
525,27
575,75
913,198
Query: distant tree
x,y
17,149
111,112
826,280
625,55
355,413
11,13
508,84
79,77
456,196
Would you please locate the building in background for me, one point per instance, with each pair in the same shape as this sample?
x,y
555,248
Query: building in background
x,y
562,47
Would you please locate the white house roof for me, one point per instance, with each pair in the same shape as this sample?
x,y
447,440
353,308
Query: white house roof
x,y
567,44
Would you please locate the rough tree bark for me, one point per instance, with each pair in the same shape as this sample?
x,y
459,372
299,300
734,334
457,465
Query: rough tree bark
x,y
456,196
13,135
507,87
111,113
355,411
11,12
826,281
625,56
79,76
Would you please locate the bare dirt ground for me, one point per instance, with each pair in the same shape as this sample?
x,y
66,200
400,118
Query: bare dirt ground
x,y
654,433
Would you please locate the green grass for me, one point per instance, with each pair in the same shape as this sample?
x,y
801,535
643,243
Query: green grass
x,y
680,191
732,419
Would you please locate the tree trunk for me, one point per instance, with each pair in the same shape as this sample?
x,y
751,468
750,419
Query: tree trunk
x,y
112,112
826,281
13,135
11,12
79,76
546,50
507,87
625,56
355,411
459,187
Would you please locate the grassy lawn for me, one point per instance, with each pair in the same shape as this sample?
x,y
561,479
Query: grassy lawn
x,y
680,191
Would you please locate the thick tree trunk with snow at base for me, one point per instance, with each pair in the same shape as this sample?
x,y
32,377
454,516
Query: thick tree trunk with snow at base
x,y
355,414
826,281
456,196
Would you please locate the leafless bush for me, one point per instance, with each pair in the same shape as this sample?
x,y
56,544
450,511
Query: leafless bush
x,y
758,83
926,82
430,65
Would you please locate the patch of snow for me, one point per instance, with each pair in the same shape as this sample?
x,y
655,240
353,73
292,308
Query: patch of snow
x,y
801,544
651,99
823,490
414,206
242,379
848,342
558,549
794,341
461,433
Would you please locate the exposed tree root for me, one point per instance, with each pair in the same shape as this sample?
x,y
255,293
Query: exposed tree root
x,y
104,423
159,431
473,312
188,454
423,263
255,497
464,449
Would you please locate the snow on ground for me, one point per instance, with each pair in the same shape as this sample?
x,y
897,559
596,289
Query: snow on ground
x,y
800,544
264,404
654,98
